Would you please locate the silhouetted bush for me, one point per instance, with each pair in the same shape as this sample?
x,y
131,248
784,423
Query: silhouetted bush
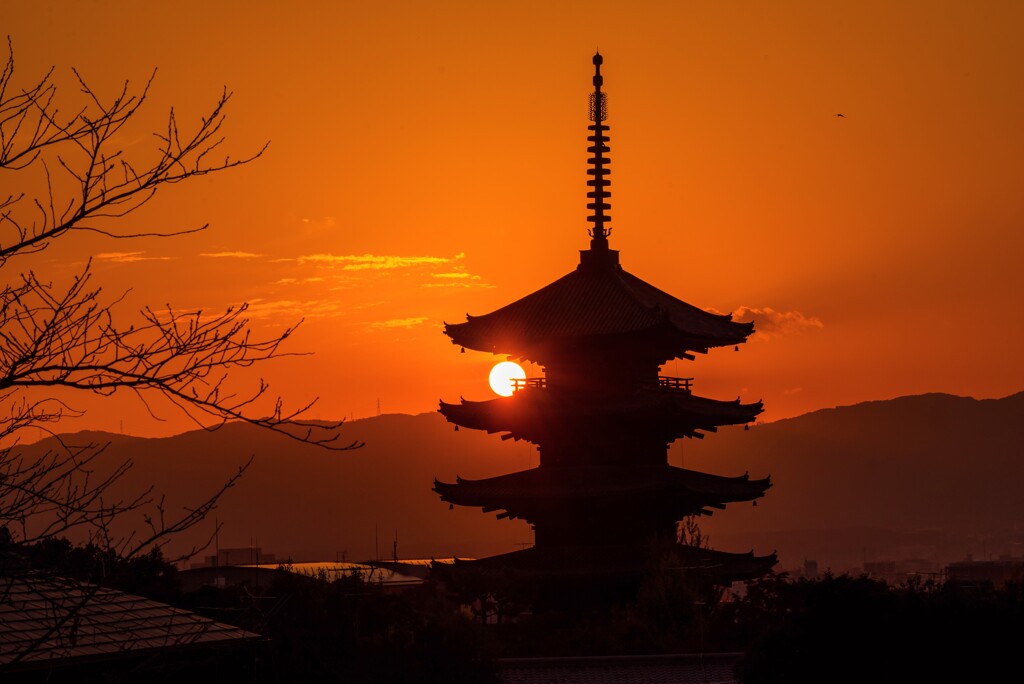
x,y
146,575
354,631
844,628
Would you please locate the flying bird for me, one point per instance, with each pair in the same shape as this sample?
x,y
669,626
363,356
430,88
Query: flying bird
x,y
841,116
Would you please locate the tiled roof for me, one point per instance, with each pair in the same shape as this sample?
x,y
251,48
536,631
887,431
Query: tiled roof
x,y
45,620
593,561
527,414
595,301
529,492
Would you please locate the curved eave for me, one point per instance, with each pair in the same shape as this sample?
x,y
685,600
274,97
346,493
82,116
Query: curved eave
x,y
659,339
594,304
584,562
724,566
527,414
529,493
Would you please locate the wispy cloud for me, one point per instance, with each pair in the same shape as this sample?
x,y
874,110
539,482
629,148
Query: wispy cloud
x,y
458,283
376,262
293,281
127,257
770,323
397,323
457,275
230,255
296,309
456,279
320,224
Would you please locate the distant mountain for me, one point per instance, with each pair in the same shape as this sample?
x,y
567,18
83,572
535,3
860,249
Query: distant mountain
x,y
309,503
933,476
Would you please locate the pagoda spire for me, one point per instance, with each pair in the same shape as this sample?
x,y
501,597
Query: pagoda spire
x,y
599,192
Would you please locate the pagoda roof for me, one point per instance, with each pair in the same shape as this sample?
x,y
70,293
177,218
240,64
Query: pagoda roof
x,y
597,300
527,413
526,493
582,562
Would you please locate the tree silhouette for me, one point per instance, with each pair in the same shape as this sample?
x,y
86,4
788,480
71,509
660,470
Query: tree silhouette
x,y
59,340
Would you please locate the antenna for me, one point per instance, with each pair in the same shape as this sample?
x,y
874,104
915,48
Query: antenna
x,y
598,105
598,162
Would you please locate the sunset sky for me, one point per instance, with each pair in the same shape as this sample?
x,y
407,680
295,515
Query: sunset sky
x,y
427,160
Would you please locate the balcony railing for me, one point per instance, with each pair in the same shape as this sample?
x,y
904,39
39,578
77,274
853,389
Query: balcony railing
x,y
664,382
523,383
678,384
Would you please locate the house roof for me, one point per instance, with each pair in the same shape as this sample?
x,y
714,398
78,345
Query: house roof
x,y
597,300
46,620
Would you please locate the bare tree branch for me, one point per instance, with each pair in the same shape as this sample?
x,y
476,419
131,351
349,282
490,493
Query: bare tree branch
x,y
62,338
84,147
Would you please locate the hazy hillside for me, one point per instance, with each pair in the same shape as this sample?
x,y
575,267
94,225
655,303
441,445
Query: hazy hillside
x,y
929,476
308,502
923,475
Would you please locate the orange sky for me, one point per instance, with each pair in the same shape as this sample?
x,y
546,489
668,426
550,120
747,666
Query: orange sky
x,y
428,160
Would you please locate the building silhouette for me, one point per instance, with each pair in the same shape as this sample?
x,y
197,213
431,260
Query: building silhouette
x,y
602,417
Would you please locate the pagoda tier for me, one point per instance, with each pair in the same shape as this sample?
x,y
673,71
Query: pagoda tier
x,y
583,563
652,492
598,306
661,415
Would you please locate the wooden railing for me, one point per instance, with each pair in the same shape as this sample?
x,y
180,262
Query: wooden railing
x,y
682,384
523,383
664,382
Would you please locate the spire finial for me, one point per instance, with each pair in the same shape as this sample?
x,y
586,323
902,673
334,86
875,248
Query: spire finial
x,y
598,162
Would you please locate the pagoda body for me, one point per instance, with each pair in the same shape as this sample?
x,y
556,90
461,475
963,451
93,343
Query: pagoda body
x,y
601,416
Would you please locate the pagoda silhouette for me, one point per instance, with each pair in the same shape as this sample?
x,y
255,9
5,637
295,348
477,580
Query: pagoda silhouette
x,y
602,417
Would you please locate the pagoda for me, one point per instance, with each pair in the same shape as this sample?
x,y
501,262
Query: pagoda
x,y
601,416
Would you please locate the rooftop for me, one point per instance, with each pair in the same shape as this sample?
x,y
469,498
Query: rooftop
x,y
595,303
44,620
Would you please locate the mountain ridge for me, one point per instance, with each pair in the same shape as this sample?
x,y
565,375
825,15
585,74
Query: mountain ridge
x,y
851,483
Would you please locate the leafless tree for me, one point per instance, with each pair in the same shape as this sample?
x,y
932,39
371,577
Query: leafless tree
x,y
59,339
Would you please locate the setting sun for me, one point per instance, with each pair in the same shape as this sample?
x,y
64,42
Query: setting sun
x,y
503,374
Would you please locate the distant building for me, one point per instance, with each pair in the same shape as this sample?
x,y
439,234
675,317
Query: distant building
x,y
881,570
903,571
247,555
995,572
810,569
388,575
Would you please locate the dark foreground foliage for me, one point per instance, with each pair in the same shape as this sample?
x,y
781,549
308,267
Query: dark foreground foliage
x,y
353,631
846,629
314,630
836,629
146,575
